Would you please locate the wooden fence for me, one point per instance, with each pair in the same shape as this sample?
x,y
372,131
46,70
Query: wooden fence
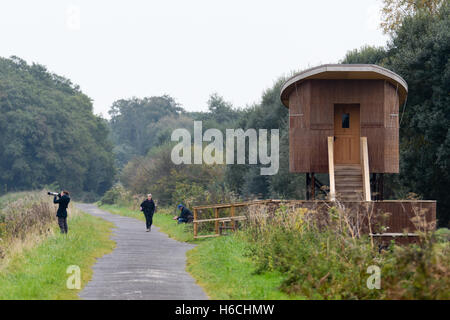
x,y
223,223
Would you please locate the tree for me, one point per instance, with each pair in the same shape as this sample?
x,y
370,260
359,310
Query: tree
x,y
220,115
367,54
49,134
395,11
133,122
220,110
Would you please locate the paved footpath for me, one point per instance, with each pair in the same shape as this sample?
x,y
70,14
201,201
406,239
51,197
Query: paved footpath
x,y
144,265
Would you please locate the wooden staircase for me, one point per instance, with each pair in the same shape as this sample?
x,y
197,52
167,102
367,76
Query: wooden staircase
x,y
349,182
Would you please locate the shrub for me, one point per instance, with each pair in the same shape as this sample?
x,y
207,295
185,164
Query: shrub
x,y
193,194
442,235
326,257
113,195
419,271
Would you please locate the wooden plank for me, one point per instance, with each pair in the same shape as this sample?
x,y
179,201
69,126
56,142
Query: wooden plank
x,y
299,149
375,138
365,169
207,236
318,150
229,205
332,195
394,234
391,150
237,218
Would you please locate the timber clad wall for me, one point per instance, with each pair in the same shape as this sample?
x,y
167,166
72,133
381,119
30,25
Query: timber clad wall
x,y
391,131
311,121
299,144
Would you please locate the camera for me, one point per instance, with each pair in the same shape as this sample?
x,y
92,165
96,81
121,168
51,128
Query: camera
x,y
52,193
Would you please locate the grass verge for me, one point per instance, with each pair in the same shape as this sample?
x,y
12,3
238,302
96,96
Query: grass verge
x,y
40,273
219,265
222,268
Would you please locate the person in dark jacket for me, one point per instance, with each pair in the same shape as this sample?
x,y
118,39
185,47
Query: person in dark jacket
x,y
62,199
185,215
148,208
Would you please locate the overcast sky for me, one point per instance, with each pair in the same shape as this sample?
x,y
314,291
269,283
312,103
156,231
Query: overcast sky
x,y
185,48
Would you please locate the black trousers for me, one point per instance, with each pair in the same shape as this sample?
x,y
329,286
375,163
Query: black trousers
x,y
62,222
148,219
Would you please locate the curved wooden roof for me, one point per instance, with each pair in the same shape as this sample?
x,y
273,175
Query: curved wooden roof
x,y
345,71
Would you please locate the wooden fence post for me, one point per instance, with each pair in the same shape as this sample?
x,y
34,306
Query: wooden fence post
x,y
216,214
232,216
332,195
195,223
365,169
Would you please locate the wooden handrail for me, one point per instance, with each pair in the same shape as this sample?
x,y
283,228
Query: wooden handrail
x,y
230,205
230,219
365,169
332,195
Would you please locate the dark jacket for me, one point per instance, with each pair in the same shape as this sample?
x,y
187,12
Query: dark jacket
x,y
186,214
148,206
63,204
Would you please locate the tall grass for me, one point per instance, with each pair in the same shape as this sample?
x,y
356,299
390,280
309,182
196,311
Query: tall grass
x,y
25,219
10,197
327,256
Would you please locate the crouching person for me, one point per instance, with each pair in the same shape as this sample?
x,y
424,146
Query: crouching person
x,y
185,215
62,199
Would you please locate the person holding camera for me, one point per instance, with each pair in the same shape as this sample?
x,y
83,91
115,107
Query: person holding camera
x,y
62,199
148,208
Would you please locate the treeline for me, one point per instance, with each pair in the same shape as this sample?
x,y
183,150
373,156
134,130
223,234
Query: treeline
x,y
49,134
418,50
